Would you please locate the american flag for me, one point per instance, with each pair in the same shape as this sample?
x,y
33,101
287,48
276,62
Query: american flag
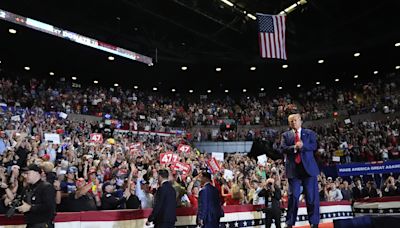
x,y
271,36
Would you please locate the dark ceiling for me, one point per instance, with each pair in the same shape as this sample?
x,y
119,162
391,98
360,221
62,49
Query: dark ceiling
x,y
204,34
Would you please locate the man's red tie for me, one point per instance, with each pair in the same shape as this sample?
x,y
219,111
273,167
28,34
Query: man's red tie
x,y
297,157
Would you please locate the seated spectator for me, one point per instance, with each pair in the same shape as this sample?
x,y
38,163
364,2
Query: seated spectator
x,y
370,191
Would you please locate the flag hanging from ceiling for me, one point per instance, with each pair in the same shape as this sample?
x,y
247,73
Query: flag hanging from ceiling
x,y
271,36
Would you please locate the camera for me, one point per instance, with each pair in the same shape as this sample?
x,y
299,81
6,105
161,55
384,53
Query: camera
x,y
13,205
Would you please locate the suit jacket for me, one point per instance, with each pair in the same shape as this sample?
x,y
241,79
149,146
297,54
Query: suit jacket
x,y
164,210
210,209
309,139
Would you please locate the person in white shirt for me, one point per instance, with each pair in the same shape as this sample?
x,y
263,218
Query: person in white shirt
x,y
142,191
333,194
257,200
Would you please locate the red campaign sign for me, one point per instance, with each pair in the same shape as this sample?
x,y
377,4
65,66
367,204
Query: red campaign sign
x,y
134,147
183,167
96,137
184,148
213,165
168,157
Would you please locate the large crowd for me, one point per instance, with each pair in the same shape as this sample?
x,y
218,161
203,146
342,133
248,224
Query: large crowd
x,y
116,171
154,111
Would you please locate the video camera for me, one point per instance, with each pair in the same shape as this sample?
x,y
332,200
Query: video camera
x,y
13,205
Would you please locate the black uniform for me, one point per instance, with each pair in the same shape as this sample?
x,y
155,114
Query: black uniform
x,y
42,198
273,206
110,202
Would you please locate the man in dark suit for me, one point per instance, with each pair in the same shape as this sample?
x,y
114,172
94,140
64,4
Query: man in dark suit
x,y
301,169
164,211
210,210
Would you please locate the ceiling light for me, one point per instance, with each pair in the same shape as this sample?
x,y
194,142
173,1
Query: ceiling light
x,y
321,61
12,31
116,84
298,85
251,16
209,91
397,67
244,90
226,91
74,78
285,66
262,89
218,69
136,87
376,72
191,91
184,68
173,90
280,87
337,79
317,83
227,2
51,73
27,68
253,68
356,76
397,44
154,88
357,54
111,58
95,82
248,98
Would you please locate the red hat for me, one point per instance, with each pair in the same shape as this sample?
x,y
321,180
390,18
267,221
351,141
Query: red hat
x,y
46,157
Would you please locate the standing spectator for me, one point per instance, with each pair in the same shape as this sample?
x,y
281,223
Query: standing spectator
x,y
3,146
332,193
346,191
143,191
358,190
210,210
109,201
258,200
389,188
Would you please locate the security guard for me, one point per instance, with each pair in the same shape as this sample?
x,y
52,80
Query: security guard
x,y
39,204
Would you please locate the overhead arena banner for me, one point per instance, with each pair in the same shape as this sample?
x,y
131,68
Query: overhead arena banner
x,y
354,169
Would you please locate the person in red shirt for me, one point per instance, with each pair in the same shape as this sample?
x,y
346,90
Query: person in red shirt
x,y
193,192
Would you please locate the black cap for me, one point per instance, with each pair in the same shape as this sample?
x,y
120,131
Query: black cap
x,y
105,184
32,167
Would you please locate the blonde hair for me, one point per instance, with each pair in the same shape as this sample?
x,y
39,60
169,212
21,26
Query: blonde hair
x,y
293,116
236,194
47,166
